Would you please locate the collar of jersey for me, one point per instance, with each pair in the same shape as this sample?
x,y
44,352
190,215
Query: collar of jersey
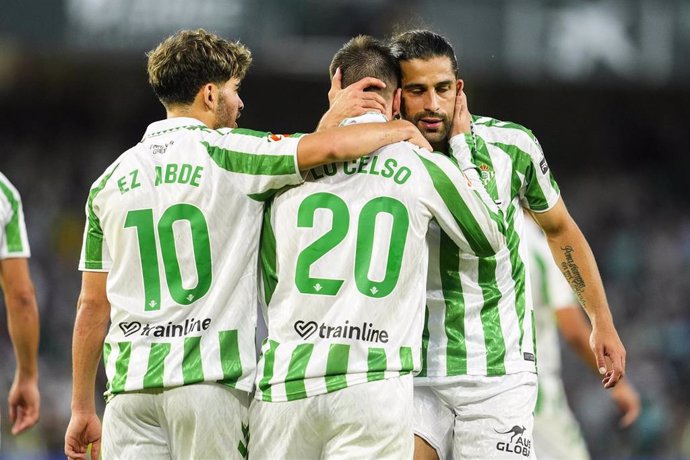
x,y
369,117
170,123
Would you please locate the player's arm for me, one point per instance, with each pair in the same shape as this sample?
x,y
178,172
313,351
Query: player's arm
x,y
468,216
353,141
90,328
574,257
575,330
352,101
23,326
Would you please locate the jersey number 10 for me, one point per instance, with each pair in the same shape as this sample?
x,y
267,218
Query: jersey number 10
x,y
142,220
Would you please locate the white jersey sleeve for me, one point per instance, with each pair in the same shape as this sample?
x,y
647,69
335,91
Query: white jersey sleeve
x,y
259,160
13,238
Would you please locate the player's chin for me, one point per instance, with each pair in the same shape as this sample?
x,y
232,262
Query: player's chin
x,y
434,136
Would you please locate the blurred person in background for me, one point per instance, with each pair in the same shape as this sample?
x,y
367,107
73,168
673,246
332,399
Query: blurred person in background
x,y
478,388
179,352
556,431
22,313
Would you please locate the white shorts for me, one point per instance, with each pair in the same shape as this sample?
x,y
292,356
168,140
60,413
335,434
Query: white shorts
x,y
556,432
366,421
200,421
478,417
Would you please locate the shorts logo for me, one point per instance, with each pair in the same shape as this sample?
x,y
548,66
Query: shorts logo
x,y
518,444
304,329
130,328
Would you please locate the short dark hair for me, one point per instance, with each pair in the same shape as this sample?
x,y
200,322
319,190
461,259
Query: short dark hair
x,y
422,44
365,56
184,62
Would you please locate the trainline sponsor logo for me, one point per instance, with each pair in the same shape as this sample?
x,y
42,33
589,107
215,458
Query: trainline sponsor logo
x,y
366,332
189,326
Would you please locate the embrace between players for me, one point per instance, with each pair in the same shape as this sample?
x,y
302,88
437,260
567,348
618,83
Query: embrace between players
x,y
393,274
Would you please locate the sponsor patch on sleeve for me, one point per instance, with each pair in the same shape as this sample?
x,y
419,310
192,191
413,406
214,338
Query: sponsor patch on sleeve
x,y
543,166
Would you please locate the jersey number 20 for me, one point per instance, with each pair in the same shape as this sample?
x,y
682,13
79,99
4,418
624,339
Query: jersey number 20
x,y
365,244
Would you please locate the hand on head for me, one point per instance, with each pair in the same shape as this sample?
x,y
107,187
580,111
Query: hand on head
x,y
351,101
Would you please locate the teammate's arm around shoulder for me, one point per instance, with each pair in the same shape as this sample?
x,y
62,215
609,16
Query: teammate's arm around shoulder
x,y
574,257
90,328
466,213
353,141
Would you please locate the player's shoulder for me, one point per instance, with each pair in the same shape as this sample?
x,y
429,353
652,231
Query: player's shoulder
x,y
7,187
500,131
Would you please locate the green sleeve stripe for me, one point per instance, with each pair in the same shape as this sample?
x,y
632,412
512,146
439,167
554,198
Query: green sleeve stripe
x,y
406,360
230,359
336,367
522,163
250,132
106,354
534,341
425,343
250,163
156,365
297,370
491,320
269,361
454,321
13,232
192,368
456,205
376,364
121,367
267,255
94,232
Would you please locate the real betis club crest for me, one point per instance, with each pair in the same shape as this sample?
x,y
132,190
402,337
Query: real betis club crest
x,y
486,174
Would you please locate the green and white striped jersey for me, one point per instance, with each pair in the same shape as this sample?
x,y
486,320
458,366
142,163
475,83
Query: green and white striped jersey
x,y
13,239
344,260
550,292
175,222
479,317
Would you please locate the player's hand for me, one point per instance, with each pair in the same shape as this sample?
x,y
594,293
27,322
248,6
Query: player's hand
x,y
351,101
628,402
84,429
419,140
461,118
24,403
609,353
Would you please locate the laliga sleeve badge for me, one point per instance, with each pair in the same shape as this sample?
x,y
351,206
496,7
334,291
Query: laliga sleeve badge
x,y
543,166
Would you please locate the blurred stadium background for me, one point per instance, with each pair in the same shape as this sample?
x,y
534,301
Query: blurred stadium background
x,y
604,84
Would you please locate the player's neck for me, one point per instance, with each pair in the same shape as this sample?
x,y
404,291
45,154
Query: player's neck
x,y
191,111
441,146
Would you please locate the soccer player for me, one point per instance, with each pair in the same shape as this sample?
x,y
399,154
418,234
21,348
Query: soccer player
x,y
170,259
478,386
556,432
22,313
344,259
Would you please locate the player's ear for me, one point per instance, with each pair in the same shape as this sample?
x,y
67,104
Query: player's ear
x,y
210,96
397,95
460,85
